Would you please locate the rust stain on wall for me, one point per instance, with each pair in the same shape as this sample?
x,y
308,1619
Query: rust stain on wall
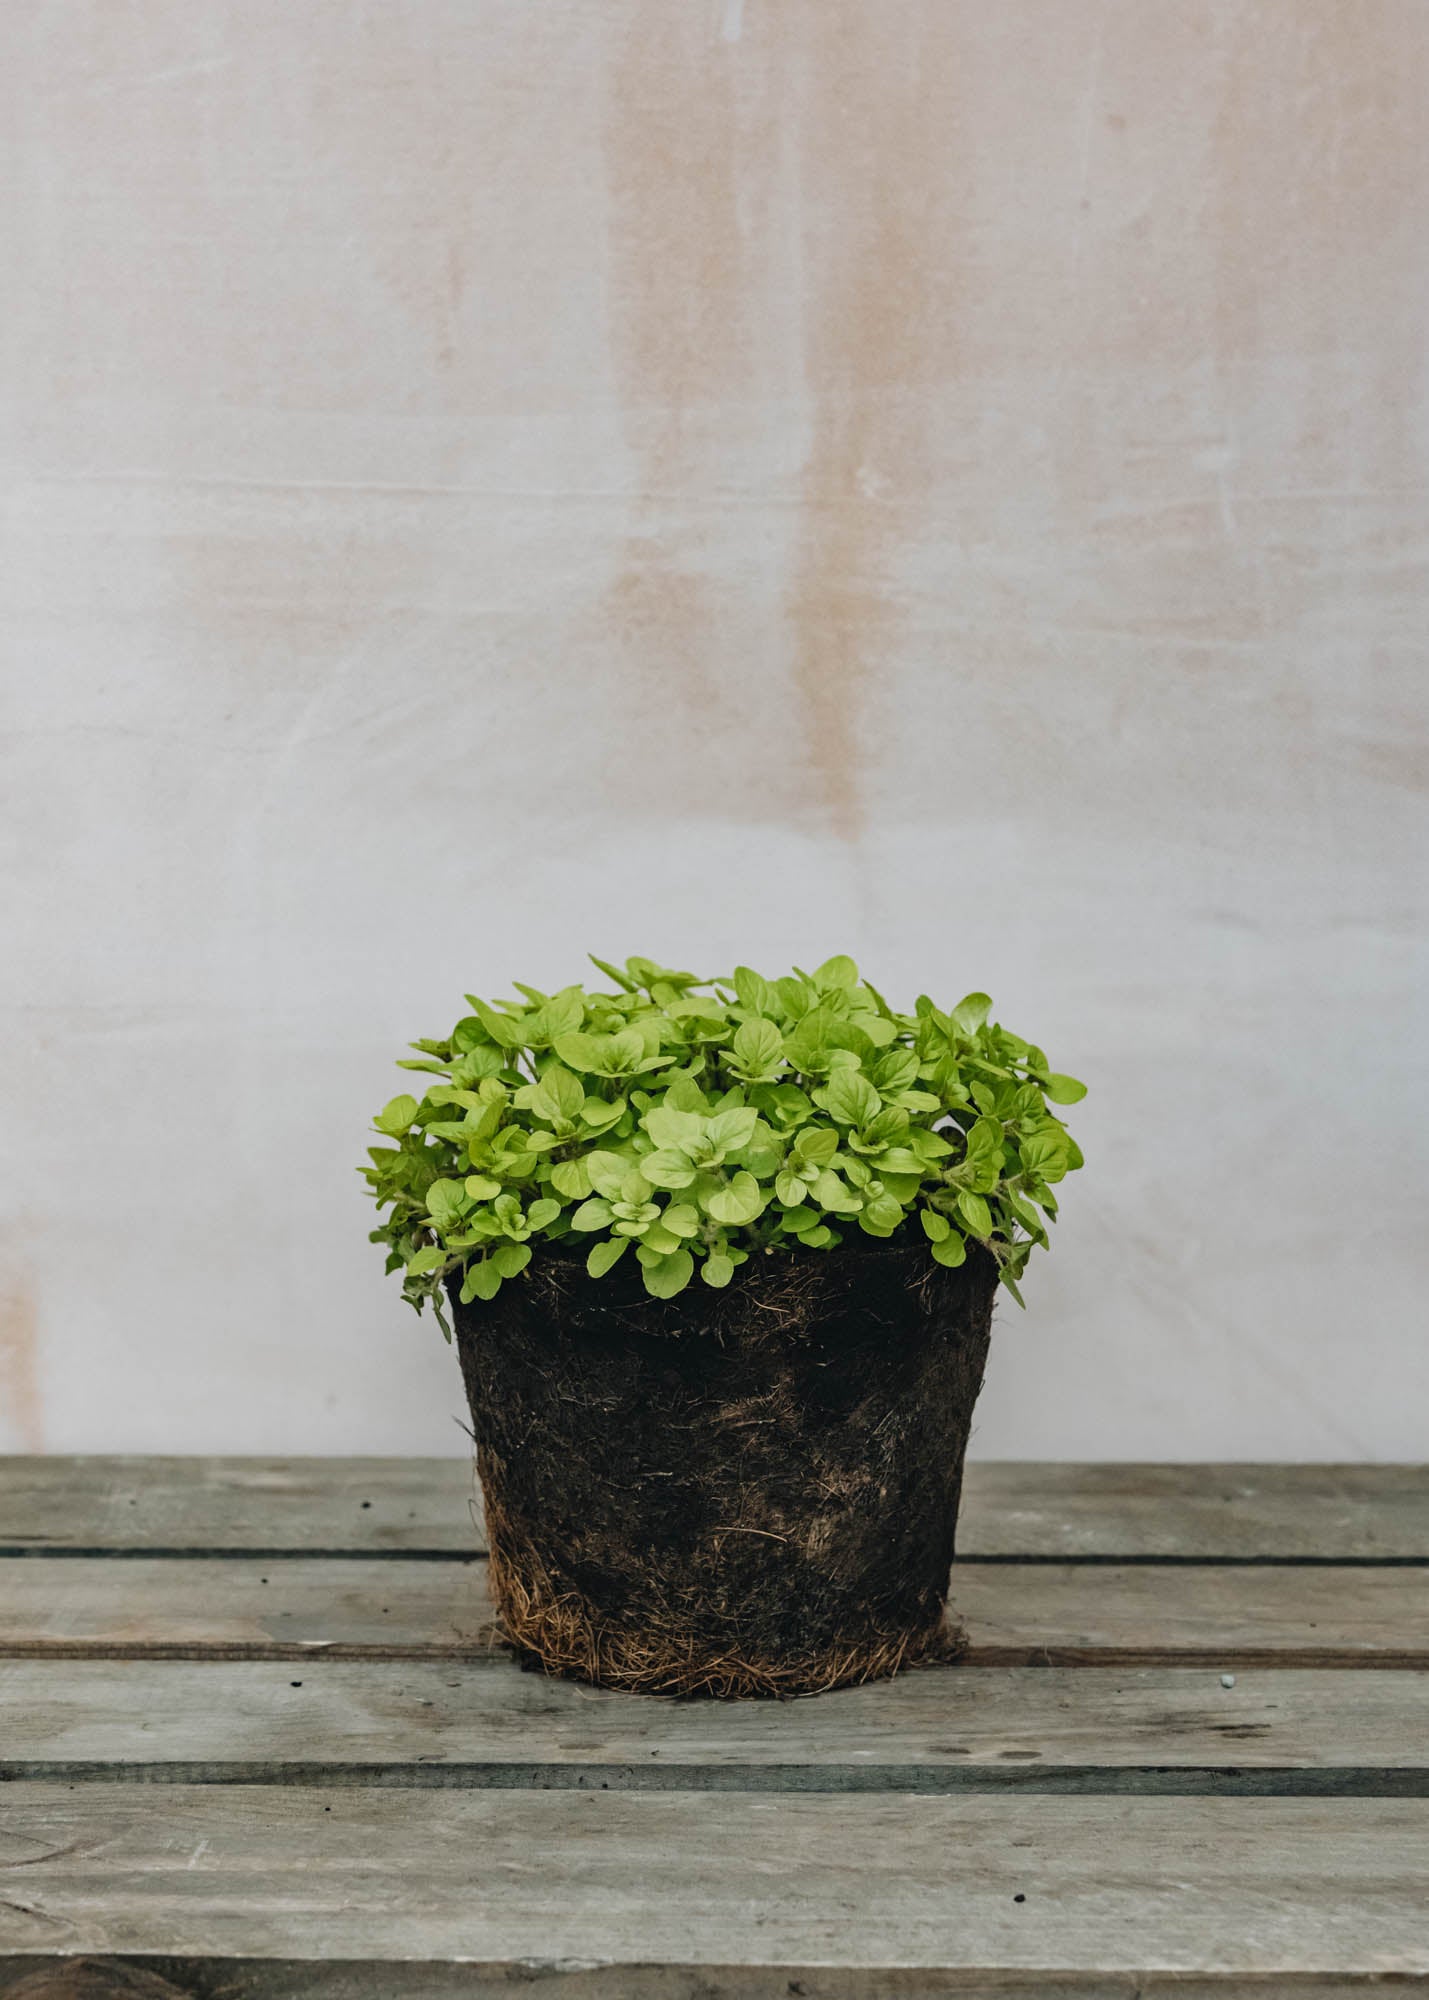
x,y
877,126
781,209
21,1413
680,299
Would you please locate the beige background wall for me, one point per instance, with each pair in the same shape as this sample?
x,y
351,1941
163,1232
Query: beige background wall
x,y
727,479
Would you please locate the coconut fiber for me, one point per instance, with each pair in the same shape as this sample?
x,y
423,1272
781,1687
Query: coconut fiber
x,y
741,1492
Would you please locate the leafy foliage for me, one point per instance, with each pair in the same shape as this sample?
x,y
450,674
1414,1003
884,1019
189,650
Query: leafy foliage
x,y
697,1122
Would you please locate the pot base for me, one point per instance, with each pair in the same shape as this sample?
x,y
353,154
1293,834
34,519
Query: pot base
x,y
561,1634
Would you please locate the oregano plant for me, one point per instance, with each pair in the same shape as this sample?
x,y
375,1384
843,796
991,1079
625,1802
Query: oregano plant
x,y
695,1123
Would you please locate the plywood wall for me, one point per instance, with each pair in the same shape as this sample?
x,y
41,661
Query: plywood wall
x,y
732,479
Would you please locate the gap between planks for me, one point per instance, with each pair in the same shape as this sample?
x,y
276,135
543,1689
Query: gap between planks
x,y
1177,1781
250,1978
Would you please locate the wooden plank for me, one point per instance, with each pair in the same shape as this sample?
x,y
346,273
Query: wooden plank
x,y
412,1506
378,1505
1322,1513
522,1883
1017,1615
83,1713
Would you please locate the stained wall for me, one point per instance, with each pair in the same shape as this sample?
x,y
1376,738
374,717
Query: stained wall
x,y
738,479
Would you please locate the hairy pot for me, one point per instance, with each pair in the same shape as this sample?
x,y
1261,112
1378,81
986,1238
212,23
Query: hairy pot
x,y
744,1491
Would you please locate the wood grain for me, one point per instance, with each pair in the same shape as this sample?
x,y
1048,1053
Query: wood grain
x,y
1209,1886
1354,1513
343,1713
1016,1614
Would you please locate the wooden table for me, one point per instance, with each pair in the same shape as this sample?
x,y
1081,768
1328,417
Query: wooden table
x,y
256,1739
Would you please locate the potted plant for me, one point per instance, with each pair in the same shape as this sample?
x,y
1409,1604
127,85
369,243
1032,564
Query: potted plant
x,y
721,1255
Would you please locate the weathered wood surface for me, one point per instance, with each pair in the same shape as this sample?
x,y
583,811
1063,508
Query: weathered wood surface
x,y
1016,1614
1234,1887
409,1506
287,1790
340,1713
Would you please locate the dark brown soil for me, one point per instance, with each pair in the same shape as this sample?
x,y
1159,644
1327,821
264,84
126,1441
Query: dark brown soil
x,y
751,1491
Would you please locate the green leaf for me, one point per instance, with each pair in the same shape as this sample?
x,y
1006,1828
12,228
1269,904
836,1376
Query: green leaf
x,y
396,1116
667,1169
446,1200
737,1203
625,1052
502,1028
1065,1089
584,1053
849,1098
808,1045
950,1250
483,1281
975,1213
481,1187
816,1146
673,1130
790,1189
830,1193
430,1259
985,1140
542,1212
562,1014
606,1171
612,972
972,1011
754,993
898,1070
594,1214
560,1096
729,1130
681,1219
510,1258
784,1104
668,1275
935,1226
603,1255
1044,1154
881,1216
569,1177
758,1051
717,1270
836,975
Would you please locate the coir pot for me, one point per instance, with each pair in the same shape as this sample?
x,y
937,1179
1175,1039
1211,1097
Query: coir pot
x,y
737,1492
